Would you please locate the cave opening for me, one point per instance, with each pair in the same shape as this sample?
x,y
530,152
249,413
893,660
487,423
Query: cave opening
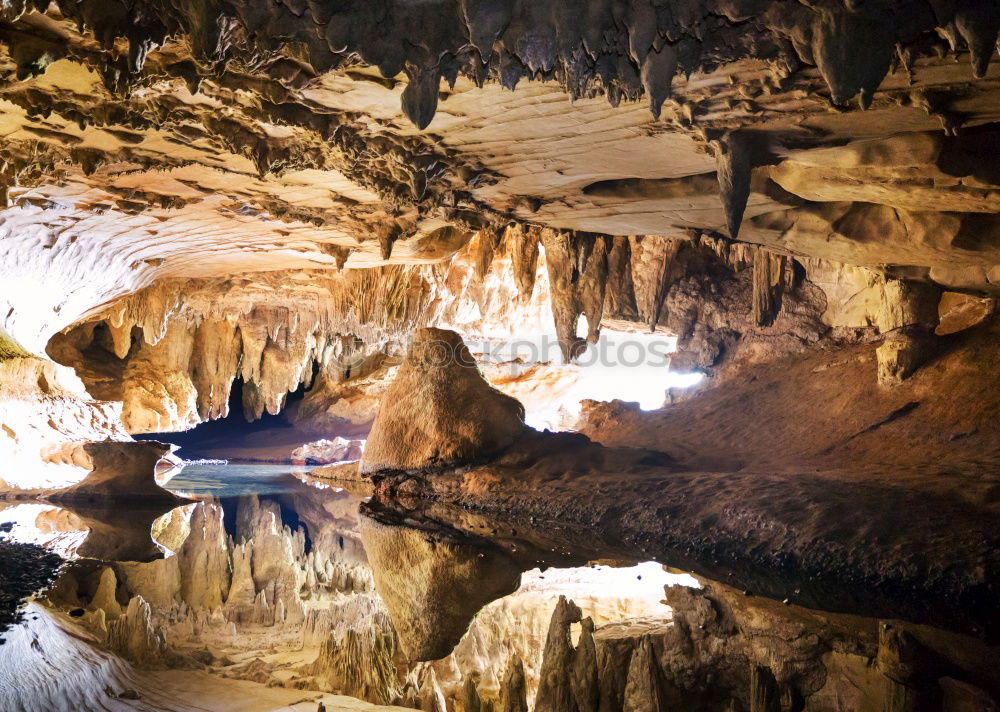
x,y
235,437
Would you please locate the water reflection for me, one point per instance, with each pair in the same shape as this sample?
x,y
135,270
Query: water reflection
x,y
274,580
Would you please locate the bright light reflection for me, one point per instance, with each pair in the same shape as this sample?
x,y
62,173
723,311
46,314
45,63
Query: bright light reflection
x,y
607,593
41,524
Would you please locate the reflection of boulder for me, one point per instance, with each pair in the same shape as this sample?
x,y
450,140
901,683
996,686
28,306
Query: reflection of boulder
x,y
434,582
117,532
121,469
440,410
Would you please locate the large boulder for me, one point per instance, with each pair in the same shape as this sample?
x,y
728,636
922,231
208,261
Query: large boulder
x,y
440,410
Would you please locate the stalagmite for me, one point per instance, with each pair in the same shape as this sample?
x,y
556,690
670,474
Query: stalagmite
x,y
104,598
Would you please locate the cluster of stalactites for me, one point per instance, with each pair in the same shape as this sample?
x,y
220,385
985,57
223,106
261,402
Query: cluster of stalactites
x,y
589,275
183,353
622,49
625,280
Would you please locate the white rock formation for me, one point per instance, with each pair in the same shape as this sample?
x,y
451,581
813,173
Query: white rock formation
x,y
325,452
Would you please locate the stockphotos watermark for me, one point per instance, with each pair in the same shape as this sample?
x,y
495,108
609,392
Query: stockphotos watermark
x,y
618,351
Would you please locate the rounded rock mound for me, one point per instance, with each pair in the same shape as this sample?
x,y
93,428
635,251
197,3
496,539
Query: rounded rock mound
x,y
440,411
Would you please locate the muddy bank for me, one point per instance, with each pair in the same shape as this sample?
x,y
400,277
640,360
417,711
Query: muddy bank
x,y
24,570
811,538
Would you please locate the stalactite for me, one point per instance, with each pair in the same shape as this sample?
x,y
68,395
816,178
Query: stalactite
x,y
486,243
431,699
902,661
620,292
214,359
733,170
523,247
470,696
768,286
764,693
560,262
578,269
653,271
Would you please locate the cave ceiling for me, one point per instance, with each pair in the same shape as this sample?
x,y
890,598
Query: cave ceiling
x,y
145,141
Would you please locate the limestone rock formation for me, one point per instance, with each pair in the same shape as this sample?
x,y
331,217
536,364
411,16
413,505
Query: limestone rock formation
x,y
124,469
439,410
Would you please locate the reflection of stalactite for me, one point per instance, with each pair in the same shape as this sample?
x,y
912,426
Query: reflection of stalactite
x,y
555,691
133,635
513,696
360,663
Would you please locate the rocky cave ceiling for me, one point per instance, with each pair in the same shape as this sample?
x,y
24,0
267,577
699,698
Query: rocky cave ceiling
x,y
213,161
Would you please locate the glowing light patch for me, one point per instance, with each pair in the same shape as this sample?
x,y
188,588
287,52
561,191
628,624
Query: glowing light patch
x,y
620,366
